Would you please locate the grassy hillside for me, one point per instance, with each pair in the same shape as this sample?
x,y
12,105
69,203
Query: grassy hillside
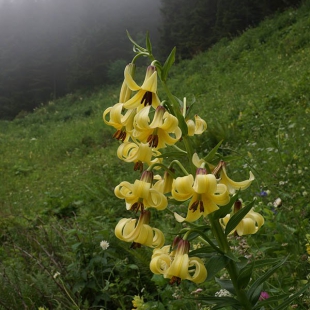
x,y
58,169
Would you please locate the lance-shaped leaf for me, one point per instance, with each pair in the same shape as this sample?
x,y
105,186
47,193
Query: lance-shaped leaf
x,y
237,217
212,153
226,284
285,303
244,276
148,43
220,302
168,64
215,264
254,291
223,211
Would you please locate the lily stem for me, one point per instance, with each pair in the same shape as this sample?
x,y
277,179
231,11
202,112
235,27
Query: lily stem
x,y
231,266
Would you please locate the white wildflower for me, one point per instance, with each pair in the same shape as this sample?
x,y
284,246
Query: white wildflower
x,y
104,244
222,293
56,275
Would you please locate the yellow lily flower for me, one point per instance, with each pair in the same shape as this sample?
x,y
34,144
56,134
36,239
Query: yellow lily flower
x,y
140,233
196,127
146,93
206,195
137,153
250,224
141,194
232,185
161,131
179,266
123,123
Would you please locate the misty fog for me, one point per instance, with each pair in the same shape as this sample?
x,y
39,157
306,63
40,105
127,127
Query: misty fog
x,y
51,47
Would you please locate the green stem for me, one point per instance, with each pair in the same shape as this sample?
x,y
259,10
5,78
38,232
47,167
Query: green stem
x,y
231,266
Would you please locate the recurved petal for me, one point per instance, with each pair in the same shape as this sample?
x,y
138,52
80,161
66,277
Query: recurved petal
x,y
200,125
115,116
209,205
182,188
200,271
160,263
257,218
135,101
119,229
246,227
129,79
150,83
232,185
123,190
158,239
221,195
197,161
156,199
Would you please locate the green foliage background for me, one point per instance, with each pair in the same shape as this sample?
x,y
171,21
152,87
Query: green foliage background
x,y
58,169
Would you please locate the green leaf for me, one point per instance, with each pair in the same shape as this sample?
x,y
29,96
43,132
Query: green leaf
x,y
220,302
168,64
245,276
148,43
140,48
213,152
226,284
270,300
237,217
223,211
206,251
283,306
257,285
215,264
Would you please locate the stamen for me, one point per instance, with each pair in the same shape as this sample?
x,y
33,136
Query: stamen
x,y
137,206
152,141
138,166
195,205
120,135
147,98
135,245
176,280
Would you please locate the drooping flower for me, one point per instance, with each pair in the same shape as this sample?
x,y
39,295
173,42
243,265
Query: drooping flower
x,y
139,232
162,131
164,184
146,93
178,266
232,185
250,224
196,127
141,194
205,193
138,154
122,123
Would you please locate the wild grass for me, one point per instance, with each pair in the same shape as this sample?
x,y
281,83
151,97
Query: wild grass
x,y
58,169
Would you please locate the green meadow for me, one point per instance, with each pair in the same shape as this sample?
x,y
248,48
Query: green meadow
x,y
58,170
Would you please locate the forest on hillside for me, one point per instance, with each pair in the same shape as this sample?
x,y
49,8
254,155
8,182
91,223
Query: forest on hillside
x,y
49,48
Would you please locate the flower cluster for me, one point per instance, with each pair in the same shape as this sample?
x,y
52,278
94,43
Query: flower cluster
x,y
145,127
